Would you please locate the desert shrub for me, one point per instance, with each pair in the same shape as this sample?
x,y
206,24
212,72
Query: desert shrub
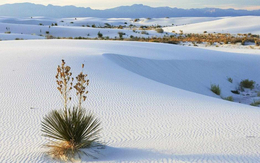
x,y
47,32
255,103
247,83
120,27
40,24
229,98
159,30
136,20
230,79
215,89
8,32
107,25
18,38
258,94
100,35
49,37
144,33
121,35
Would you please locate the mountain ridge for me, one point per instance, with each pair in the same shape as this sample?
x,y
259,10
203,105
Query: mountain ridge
x,y
133,11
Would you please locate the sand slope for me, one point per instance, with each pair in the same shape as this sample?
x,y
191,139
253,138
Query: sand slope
x,y
233,25
147,114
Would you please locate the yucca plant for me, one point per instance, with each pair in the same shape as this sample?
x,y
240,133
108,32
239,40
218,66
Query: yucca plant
x,y
69,131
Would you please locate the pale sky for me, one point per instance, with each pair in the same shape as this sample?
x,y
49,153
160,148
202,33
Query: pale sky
x,y
104,4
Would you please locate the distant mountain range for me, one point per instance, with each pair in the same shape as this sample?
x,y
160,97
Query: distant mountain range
x,y
134,11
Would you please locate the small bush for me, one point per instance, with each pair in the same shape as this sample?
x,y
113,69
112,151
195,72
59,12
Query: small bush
x,y
247,83
258,94
230,80
159,30
144,33
136,20
229,98
215,89
47,32
255,103
8,32
100,35
121,35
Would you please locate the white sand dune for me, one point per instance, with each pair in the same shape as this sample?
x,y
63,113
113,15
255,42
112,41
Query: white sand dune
x,y
150,98
30,28
233,25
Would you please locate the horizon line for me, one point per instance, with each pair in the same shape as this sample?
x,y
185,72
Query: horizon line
x,y
255,8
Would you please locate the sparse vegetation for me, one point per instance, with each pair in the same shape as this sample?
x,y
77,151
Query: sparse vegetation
x,y
258,94
121,35
159,30
100,35
229,98
215,89
136,20
255,103
247,84
144,33
230,79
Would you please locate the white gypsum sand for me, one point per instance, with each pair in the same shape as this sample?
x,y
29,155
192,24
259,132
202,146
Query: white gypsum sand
x,y
149,97
233,25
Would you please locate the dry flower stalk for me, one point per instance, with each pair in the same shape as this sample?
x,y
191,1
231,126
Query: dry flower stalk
x,y
80,87
65,82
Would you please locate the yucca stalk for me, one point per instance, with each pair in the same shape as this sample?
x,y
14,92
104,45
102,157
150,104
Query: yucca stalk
x,y
64,81
70,131
80,87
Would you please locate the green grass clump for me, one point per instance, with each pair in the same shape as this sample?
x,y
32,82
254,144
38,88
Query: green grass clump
x,y
247,83
258,94
255,103
215,89
230,80
229,98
